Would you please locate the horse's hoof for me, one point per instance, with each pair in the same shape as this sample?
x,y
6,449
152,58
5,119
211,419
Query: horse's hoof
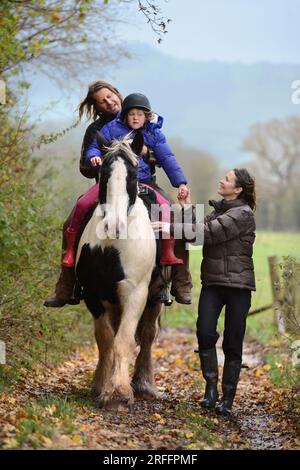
x,y
146,392
114,405
105,403
114,402
95,391
124,406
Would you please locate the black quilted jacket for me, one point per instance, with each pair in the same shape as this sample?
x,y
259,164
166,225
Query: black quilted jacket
x,y
87,171
229,234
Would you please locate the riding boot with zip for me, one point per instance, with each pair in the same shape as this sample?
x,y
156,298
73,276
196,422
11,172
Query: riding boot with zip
x,y
231,373
209,367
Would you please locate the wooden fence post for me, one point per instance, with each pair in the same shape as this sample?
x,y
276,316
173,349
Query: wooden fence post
x,y
276,291
2,92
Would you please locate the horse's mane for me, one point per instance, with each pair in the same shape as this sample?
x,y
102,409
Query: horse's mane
x,y
118,146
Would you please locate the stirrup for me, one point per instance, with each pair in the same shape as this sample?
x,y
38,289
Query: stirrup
x,y
166,273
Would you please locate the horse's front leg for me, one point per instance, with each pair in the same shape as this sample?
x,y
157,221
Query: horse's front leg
x,y
104,335
133,302
143,379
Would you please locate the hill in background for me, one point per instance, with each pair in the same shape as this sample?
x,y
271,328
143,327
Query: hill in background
x,y
206,105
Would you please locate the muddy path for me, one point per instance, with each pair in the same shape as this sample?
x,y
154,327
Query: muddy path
x,y
52,408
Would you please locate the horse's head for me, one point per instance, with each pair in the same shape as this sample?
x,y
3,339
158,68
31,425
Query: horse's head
x,y
118,183
120,159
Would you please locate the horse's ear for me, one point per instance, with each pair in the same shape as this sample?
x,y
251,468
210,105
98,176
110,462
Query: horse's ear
x,y
137,143
102,142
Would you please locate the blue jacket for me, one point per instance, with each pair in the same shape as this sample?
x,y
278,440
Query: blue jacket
x,y
154,139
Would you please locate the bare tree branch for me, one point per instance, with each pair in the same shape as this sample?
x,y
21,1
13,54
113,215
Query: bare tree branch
x,y
276,145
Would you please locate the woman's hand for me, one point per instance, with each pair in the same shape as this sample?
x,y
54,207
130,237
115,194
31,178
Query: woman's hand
x,y
96,161
186,199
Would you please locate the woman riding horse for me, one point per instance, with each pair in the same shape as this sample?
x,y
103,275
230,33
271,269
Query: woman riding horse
x,y
104,101
136,116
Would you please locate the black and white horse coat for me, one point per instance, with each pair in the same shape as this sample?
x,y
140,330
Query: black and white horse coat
x,y
114,263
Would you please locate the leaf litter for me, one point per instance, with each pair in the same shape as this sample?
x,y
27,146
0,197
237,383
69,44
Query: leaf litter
x,y
51,408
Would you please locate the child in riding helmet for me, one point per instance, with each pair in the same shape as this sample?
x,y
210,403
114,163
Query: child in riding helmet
x,y
135,115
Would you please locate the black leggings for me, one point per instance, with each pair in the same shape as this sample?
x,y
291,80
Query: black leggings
x,y
212,300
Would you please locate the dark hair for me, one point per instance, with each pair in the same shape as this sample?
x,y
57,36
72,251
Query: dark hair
x,y
87,106
247,182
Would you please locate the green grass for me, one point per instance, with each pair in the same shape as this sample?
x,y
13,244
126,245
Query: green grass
x,y
269,244
42,422
201,428
260,326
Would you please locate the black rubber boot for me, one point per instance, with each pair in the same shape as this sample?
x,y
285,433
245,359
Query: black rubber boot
x,y
231,373
209,367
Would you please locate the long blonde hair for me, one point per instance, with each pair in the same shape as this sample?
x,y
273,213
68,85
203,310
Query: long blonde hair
x,y
87,106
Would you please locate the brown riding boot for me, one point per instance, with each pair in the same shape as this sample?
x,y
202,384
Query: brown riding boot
x,y
63,290
181,276
66,281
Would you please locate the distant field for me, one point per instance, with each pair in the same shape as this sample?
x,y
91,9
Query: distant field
x,y
266,244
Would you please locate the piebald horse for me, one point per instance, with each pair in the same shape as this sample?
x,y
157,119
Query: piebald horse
x,y
114,264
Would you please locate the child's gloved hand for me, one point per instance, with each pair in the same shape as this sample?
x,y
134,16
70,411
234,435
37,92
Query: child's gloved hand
x,y
96,161
182,192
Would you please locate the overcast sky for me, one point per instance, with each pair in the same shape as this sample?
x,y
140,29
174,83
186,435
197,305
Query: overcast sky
x,y
202,30
226,30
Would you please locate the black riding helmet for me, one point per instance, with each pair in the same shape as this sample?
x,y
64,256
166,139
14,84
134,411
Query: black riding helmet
x,y
135,100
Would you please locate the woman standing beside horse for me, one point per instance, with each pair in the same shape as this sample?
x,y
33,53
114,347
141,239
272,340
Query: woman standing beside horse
x,y
227,276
